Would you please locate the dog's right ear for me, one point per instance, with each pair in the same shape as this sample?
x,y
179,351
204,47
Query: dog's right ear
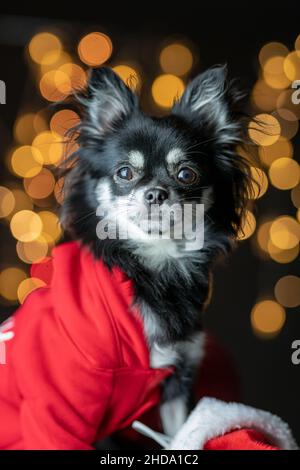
x,y
107,102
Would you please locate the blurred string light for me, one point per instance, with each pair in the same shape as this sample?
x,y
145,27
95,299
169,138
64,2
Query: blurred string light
x,y
49,146
287,291
129,75
285,232
45,48
40,186
27,286
264,129
291,66
26,226
51,228
264,97
166,89
248,226
272,49
284,173
27,126
176,59
268,249
267,318
26,161
282,148
32,252
10,279
95,48
64,120
7,201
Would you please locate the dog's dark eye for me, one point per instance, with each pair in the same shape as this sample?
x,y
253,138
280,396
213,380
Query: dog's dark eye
x,y
187,176
125,173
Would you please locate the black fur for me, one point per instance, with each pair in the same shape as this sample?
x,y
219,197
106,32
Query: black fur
x,y
108,130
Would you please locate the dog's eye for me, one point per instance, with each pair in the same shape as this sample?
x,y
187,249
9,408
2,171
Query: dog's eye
x,y
125,173
187,176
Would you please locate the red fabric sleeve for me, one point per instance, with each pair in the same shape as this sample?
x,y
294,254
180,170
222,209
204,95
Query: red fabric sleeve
x,y
241,439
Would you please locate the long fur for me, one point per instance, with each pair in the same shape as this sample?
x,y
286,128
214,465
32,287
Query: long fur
x,y
206,124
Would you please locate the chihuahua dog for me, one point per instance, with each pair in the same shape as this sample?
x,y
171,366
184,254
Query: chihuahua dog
x,y
128,163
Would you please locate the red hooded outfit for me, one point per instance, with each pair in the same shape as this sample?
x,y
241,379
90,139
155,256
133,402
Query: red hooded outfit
x,y
74,364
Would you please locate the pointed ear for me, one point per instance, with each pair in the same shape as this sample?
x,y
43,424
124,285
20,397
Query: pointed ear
x,y
107,102
210,100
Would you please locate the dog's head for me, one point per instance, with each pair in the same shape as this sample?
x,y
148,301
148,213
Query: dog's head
x,y
130,165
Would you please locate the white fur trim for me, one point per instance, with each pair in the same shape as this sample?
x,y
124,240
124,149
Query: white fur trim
x,y
212,418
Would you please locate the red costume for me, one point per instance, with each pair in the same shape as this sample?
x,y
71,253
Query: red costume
x,y
75,364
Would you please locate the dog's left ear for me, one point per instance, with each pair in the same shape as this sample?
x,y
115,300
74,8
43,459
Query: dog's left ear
x,y
210,101
107,102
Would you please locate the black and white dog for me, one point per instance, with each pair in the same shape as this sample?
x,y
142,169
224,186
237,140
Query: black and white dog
x,y
128,161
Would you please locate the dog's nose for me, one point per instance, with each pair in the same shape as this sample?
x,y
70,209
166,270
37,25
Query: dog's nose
x,y
156,195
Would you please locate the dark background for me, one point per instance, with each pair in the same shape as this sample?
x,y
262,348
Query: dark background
x,y
232,33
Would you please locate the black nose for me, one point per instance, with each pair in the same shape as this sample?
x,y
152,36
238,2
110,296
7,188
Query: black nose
x,y
156,195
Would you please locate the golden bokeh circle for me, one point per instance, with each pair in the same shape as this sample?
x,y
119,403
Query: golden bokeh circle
x,y
176,59
95,48
264,130
284,173
166,89
287,291
7,201
26,226
27,286
267,318
10,278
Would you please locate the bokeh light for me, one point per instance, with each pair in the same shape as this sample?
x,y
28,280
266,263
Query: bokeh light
x,y
285,232
27,126
95,48
26,161
51,228
45,48
27,286
264,130
267,318
64,120
26,226
55,85
166,89
282,256
76,78
272,49
176,59
32,252
287,291
288,122
291,66
7,201
50,147
129,75
284,173
280,149
274,74
10,278
264,97
40,186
